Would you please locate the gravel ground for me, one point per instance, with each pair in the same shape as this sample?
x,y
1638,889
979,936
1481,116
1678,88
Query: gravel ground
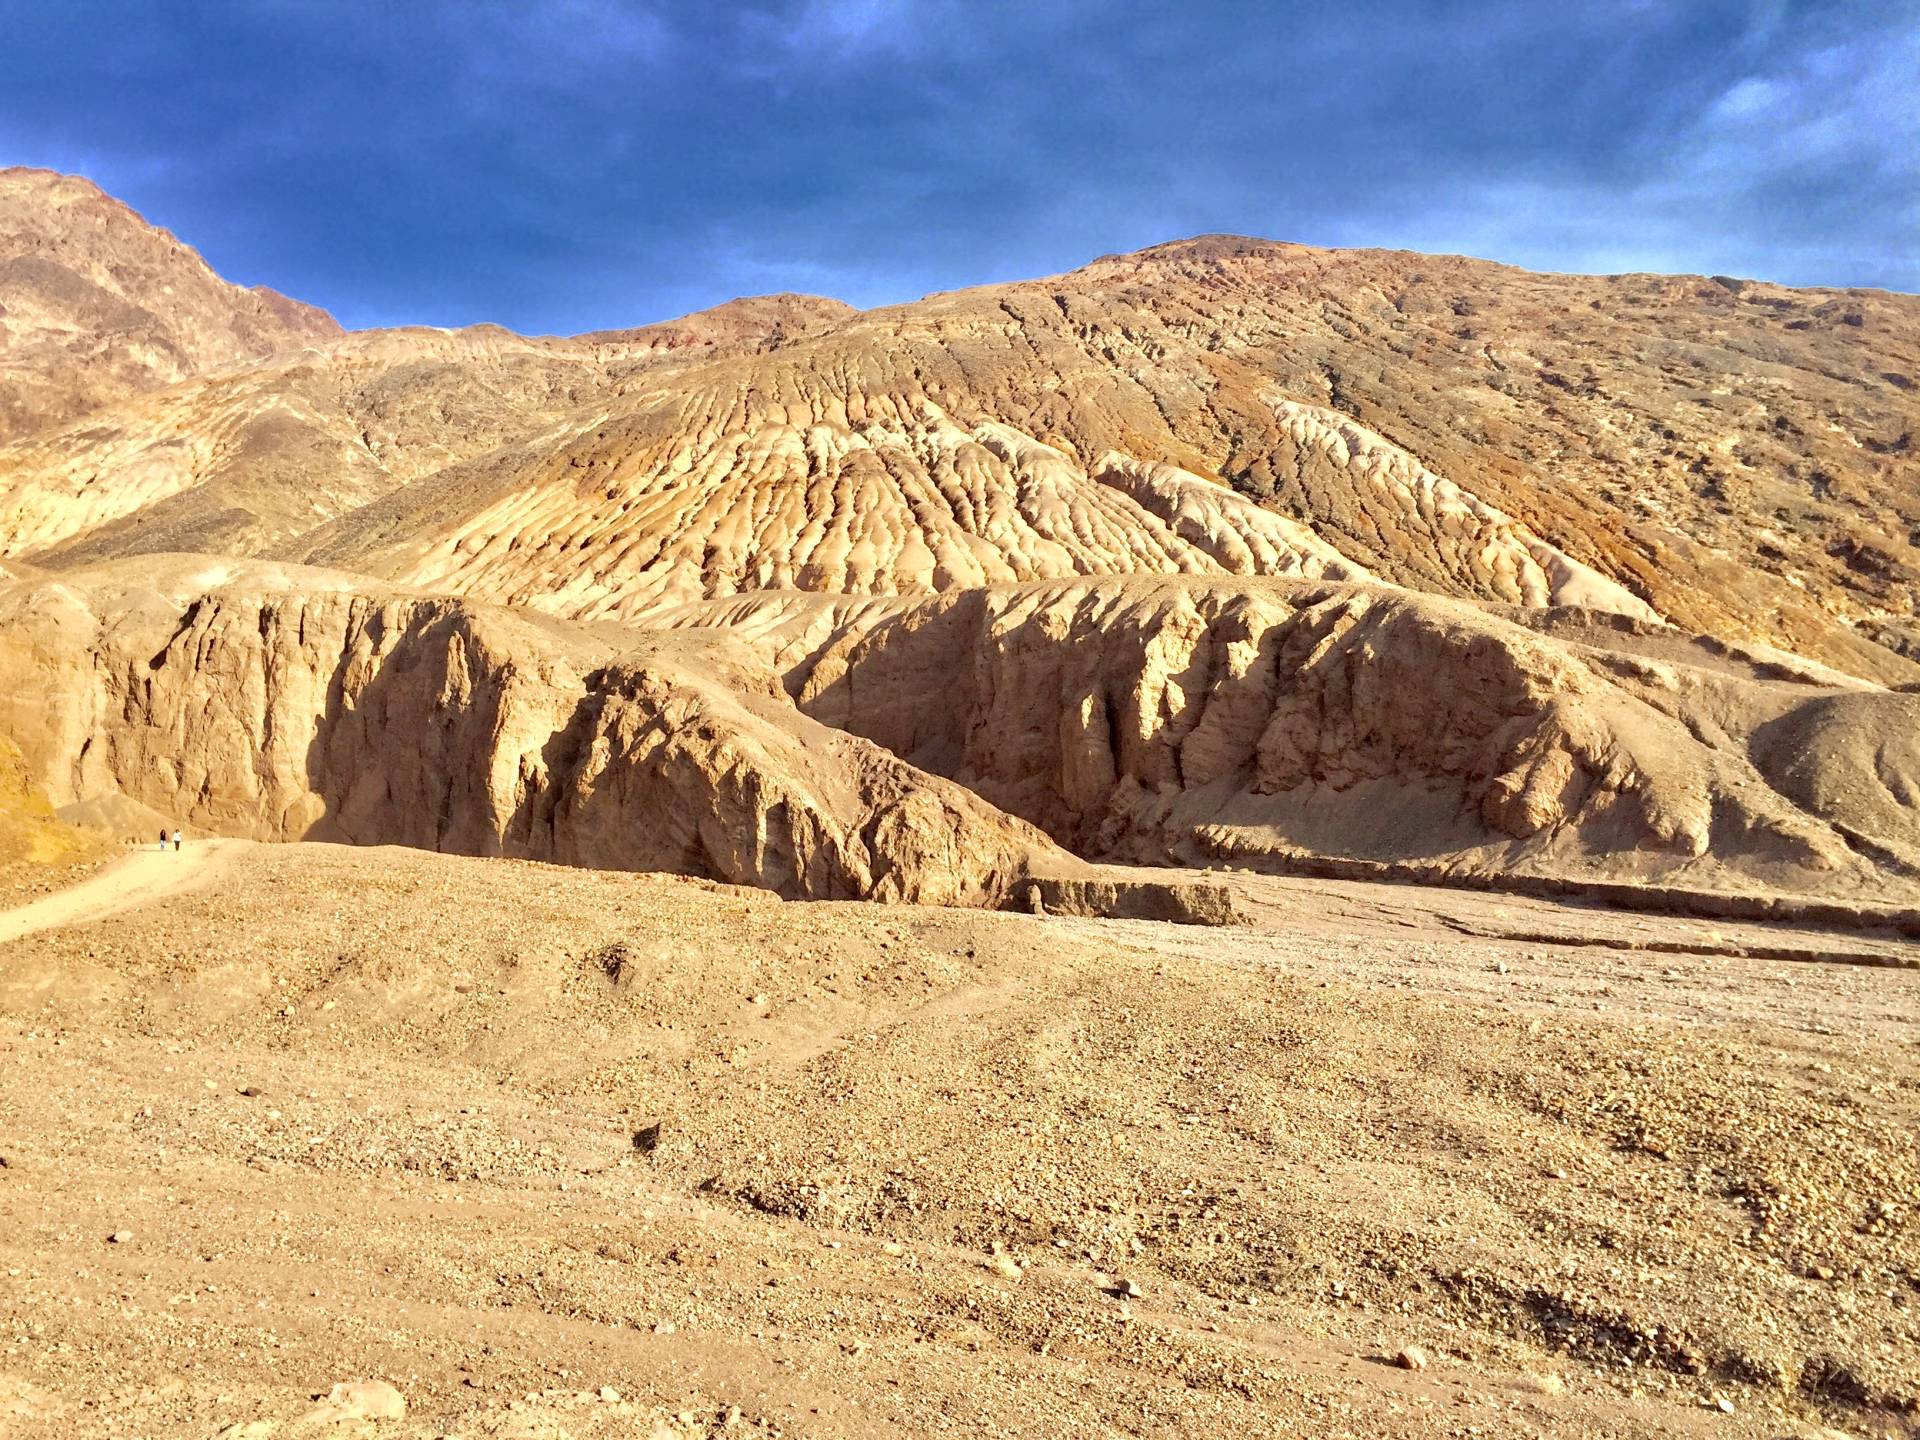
x,y
567,1153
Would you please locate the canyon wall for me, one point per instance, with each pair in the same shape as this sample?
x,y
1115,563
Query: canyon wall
x,y
394,719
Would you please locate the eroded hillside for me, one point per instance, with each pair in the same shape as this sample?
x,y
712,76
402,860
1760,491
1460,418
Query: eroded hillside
x,y
1223,552
1733,457
928,749
281,704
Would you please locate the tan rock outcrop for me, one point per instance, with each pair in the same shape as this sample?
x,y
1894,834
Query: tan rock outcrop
x,y
399,719
1194,720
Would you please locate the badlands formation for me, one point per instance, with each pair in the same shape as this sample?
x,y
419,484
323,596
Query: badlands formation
x,y
1218,582
1223,553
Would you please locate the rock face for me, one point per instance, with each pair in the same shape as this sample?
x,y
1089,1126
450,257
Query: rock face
x,y
283,705
1199,721
949,748
97,305
29,830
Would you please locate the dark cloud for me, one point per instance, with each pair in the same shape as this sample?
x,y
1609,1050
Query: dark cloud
x,y
564,164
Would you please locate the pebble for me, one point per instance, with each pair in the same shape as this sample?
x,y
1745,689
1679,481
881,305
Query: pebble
x,y
1129,1288
1005,1266
1411,1358
120,1237
609,1394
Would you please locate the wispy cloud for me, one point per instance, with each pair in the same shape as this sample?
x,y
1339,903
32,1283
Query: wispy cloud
x,y
557,40
1852,104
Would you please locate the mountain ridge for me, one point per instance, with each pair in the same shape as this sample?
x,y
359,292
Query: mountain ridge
x,y
97,304
1224,551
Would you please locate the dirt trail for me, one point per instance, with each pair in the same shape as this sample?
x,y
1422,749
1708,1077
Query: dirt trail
x,y
139,879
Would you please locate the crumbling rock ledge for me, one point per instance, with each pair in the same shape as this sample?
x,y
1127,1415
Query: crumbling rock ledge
x,y
1183,902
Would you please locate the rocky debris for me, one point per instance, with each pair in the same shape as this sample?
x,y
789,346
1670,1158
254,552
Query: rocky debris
x,y
1188,1110
358,1400
1176,900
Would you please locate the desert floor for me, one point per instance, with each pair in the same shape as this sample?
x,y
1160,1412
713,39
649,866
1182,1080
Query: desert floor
x,y
572,1153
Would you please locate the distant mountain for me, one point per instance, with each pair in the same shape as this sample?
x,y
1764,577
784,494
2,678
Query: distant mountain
x,y
96,305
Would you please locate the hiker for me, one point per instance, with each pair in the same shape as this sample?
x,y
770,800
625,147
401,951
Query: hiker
x,y
176,839
163,842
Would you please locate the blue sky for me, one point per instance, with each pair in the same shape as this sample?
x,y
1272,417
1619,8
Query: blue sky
x,y
559,165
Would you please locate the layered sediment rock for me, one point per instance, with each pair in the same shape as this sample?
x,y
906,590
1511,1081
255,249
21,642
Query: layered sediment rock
x,y
394,719
1198,721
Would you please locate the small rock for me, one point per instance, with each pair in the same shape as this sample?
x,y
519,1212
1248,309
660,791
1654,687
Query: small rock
x,y
252,1092
1411,1358
665,1327
1500,967
359,1400
757,999
1129,1288
1005,1266
609,1394
1718,1402
120,1237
